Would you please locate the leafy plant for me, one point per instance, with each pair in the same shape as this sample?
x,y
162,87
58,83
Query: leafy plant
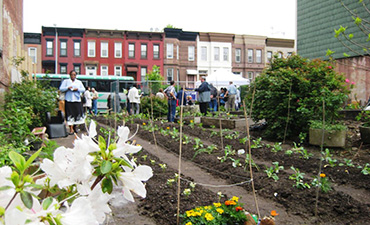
x,y
324,184
277,147
159,106
257,143
364,117
273,171
298,178
317,124
366,169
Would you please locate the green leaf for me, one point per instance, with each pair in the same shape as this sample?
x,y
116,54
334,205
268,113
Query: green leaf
x,y
32,158
18,160
106,167
346,55
26,198
329,52
124,162
2,211
350,36
102,143
15,178
107,185
4,188
358,21
46,203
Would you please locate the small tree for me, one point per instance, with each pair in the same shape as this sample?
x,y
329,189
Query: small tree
x,y
292,90
154,79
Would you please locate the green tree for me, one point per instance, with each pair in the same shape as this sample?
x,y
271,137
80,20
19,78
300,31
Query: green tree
x,y
293,89
154,79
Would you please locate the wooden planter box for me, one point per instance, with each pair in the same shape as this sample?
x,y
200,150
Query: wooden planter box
x,y
332,138
350,114
365,134
225,123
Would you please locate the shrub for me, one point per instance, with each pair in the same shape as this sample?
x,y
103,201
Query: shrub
x,y
302,85
159,106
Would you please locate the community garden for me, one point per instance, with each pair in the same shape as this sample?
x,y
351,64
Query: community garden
x,y
266,170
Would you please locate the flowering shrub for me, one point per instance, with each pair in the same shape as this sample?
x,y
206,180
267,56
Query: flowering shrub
x,y
293,89
79,179
229,212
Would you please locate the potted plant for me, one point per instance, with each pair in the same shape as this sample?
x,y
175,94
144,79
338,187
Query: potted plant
x,y
334,134
364,116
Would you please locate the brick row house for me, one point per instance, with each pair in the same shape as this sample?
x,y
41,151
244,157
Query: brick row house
x,y
182,56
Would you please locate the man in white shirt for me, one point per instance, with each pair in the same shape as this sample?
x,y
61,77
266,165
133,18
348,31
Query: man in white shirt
x,y
134,98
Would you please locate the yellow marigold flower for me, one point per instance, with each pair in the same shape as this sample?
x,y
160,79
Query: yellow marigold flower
x,y
236,199
322,175
188,223
144,124
191,121
207,207
219,210
217,204
209,217
167,128
189,213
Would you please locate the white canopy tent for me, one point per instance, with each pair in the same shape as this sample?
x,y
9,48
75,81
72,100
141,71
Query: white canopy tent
x,y
221,78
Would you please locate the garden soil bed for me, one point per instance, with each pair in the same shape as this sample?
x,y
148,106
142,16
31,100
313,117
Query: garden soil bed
x,y
347,203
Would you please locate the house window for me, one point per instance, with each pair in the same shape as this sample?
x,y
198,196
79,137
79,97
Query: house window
x,y
118,70
63,48
217,54
49,48
250,55
191,53
238,54
104,50
258,56
91,49
169,51
104,70
169,75
77,48
143,73
226,54
269,55
203,56
77,68
143,51
32,53
63,69
117,50
156,51
250,75
131,50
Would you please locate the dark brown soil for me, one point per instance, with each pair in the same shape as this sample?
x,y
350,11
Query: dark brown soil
x,y
347,203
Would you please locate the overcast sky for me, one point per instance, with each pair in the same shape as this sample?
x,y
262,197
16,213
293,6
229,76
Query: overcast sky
x,y
273,18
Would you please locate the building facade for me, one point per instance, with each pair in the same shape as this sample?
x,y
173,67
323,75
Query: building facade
x,y
32,45
316,24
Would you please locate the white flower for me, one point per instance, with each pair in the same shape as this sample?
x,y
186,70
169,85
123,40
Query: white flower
x,y
122,147
99,203
241,151
6,195
132,181
70,166
15,217
80,213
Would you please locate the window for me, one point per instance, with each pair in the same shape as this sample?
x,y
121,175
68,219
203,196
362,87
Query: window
x,y
203,56
49,48
104,49
117,50
77,48
290,53
217,54
238,54
77,68
104,70
250,55
269,55
226,54
91,49
143,51
63,48
169,51
258,56
156,51
131,50
169,74
118,70
191,53
32,53
143,73
63,69
250,75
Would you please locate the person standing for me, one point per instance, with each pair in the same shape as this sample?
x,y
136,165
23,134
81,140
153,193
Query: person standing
x,y
231,93
204,96
213,102
134,98
88,103
95,96
171,99
73,106
160,93
181,96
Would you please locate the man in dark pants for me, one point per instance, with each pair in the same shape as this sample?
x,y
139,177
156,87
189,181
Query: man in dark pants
x,y
171,97
204,96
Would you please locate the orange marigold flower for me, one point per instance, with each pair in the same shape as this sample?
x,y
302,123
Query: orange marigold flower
x,y
168,128
238,208
230,203
274,213
322,175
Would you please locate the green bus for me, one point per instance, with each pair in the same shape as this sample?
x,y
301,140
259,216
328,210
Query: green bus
x,y
104,85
